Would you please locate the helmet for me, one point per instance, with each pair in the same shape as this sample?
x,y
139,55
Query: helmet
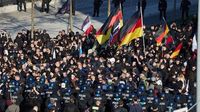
x,y
88,82
189,97
155,100
80,82
66,81
127,87
119,90
142,88
143,99
110,88
83,88
122,86
190,104
150,91
68,91
139,92
42,79
51,85
99,87
98,91
177,98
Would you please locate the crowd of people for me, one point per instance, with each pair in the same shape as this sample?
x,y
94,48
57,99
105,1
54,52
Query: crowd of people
x,y
72,73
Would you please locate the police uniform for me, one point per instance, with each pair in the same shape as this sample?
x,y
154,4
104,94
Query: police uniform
x,y
162,6
84,99
98,108
178,102
97,5
45,2
150,99
19,5
185,8
143,103
143,5
118,2
15,91
162,104
115,101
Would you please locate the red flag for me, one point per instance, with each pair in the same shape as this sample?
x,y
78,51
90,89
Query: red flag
x,y
161,34
87,26
176,51
169,40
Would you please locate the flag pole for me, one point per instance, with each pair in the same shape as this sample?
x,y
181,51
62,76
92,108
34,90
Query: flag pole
x,y
142,28
71,19
198,62
108,7
32,19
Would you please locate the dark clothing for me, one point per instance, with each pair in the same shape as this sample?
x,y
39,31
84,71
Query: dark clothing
x,y
45,2
70,107
185,8
135,108
2,105
162,7
19,5
97,5
143,5
118,2
120,109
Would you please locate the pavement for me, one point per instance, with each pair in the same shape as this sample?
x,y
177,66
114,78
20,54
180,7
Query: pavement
x,y
14,21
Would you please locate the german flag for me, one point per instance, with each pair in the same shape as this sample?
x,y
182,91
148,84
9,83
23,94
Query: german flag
x,y
131,30
105,31
161,34
176,51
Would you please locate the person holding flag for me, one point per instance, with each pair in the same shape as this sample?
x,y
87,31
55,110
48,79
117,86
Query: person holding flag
x,y
162,33
176,51
132,29
107,29
87,26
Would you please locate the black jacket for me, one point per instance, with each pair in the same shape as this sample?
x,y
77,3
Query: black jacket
x,y
162,6
71,108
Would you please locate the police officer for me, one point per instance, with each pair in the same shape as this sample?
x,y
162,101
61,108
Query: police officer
x,y
143,5
45,2
154,107
28,93
15,90
115,101
109,96
73,7
69,103
135,105
178,102
120,107
20,3
185,9
162,103
97,5
150,99
99,103
118,2
83,99
143,103
162,7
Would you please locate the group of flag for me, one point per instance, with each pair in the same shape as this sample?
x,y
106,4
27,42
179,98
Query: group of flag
x,y
114,32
